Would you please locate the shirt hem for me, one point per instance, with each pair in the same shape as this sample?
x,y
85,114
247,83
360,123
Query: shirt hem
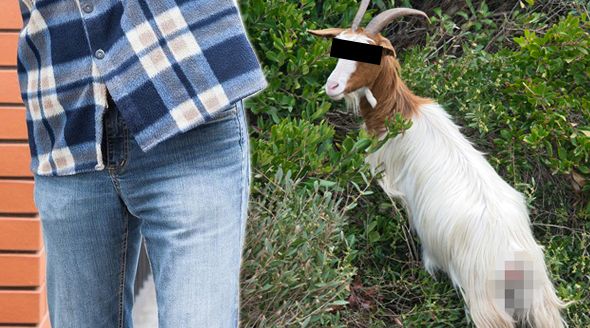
x,y
148,142
83,168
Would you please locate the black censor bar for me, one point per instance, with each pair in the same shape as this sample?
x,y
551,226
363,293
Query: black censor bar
x,y
356,51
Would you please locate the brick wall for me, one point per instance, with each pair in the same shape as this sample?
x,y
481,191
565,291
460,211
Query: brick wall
x,y
22,257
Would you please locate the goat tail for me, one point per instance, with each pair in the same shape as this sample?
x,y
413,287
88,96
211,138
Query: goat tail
x,y
482,305
524,289
516,290
545,308
486,314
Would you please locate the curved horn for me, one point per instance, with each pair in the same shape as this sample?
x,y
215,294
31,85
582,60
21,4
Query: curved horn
x,y
378,23
359,14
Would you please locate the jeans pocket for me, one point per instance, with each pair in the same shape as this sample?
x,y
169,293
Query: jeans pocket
x,y
223,115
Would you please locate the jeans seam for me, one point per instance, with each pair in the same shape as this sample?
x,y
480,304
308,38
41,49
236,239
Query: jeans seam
x,y
122,273
125,146
239,118
113,174
107,142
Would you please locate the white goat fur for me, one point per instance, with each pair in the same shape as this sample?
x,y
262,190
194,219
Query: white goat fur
x,y
471,223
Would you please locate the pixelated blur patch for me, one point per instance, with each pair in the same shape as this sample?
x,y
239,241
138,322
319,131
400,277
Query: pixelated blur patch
x,y
357,51
515,283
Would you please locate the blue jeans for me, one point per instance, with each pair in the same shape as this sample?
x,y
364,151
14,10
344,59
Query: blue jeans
x,y
187,197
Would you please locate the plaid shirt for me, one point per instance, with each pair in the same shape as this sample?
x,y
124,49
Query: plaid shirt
x,y
169,66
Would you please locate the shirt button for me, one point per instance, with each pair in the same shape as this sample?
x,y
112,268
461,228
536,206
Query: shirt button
x,y
99,54
88,8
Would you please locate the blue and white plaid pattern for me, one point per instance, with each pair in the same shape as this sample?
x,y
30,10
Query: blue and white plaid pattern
x,y
169,66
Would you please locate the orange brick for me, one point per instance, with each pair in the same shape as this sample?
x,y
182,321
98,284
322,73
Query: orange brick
x,y
13,123
16,196
22,270
16,160
45,323
20,234
9,87
8,44
23,306
10,17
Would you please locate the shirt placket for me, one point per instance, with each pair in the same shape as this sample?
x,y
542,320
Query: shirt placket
x,y
88,8
115,132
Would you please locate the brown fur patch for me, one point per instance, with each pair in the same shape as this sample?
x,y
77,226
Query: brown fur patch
x,y
384,81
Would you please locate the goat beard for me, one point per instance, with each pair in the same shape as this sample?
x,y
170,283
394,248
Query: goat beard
x,y
353,100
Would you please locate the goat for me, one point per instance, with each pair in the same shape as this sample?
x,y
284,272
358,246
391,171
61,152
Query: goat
x,y
472,224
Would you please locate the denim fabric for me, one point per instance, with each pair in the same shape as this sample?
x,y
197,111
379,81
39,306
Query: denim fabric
x,y
188,197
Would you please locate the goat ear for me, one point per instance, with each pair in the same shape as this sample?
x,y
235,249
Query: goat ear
x,y
387,47
327,33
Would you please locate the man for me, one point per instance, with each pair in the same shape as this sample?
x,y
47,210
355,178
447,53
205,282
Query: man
x,y
137,128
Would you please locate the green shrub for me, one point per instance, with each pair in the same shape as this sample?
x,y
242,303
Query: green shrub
x,y
296,145
296,270
550,94
309,152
